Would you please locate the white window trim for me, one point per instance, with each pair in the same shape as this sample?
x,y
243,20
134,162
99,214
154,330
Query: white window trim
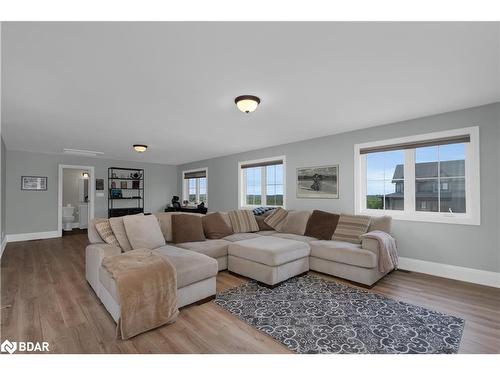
x,y
185,194
472,181
241,186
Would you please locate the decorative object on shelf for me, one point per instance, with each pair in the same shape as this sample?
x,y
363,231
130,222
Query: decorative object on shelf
x,y
34,183
185,203
99,183
140,148
318,182
175,202
247,103
122,199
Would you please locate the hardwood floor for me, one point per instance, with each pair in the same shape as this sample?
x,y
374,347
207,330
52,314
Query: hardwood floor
x,y
45,297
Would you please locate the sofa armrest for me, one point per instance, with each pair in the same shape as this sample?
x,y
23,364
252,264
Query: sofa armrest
x,y
94,254
370,244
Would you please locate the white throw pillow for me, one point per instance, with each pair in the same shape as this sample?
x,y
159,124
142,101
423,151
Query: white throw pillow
x,y
143,232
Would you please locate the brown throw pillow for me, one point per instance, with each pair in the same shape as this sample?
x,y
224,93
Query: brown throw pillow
x,y
187,228
215,227
321,225
261,221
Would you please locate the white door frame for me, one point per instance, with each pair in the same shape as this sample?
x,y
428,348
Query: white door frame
x,y
60,192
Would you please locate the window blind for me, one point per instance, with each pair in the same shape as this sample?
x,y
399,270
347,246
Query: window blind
x,y
262,164
195,174
427,143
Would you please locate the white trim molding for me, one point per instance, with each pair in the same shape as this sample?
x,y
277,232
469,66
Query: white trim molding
x,y
32,236
472,216
449,271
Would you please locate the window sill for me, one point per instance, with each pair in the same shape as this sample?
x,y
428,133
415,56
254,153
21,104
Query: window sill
x,y
430,217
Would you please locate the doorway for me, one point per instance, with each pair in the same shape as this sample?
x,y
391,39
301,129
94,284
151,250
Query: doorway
x,y
76,197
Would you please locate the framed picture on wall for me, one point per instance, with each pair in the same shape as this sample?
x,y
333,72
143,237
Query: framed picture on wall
x,y
33,183
99,184
318,182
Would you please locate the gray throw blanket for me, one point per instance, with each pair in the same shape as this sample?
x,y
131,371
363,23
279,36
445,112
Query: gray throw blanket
x,y
388,254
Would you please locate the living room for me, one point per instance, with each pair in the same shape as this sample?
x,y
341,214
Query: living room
x,y
275,187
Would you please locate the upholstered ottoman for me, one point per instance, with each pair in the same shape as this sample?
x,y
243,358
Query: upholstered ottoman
x,y
269,260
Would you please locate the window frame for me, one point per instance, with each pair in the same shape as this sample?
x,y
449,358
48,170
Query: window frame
x,y
242,185
185,185
472,216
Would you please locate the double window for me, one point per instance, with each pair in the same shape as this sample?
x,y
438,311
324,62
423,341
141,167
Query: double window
x,y
195,186
262,182
431,177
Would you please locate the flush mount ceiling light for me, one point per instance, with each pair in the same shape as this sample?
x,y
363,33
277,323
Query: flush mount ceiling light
x,y
85,175
247,103
140,148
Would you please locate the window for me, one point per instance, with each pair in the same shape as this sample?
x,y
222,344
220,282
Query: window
x,y
195,186
262,182
432,177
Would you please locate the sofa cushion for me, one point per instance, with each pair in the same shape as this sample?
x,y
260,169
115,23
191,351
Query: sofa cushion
x,y
92,233
187,228
215,227
295,237
243,221
269,250
241,236
143,232
321,225
276,218
343,252
295,222
118,228
105,232
350,228
165,220
266,232
383,223
211,248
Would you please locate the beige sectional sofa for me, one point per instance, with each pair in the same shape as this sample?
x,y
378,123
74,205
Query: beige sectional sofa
x,y
269,257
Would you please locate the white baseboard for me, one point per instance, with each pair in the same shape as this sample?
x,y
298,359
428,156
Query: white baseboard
x,y
2,246
449,271
31,236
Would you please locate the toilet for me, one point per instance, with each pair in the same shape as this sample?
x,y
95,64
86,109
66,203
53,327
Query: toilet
x,y
68,217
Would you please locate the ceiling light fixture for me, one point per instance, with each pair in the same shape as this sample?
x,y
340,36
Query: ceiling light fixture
x,y
85,175
140,148
247,103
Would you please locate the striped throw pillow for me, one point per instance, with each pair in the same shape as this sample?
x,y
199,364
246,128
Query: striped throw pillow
x,y
104,229
277,218
243,221
350,228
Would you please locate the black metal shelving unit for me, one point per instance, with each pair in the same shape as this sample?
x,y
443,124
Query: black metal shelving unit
x,y
125,191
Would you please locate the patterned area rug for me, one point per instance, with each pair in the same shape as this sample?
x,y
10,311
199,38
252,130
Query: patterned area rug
x,y
311,315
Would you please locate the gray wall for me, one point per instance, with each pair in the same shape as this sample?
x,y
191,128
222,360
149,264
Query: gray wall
x,y
36,211
461,245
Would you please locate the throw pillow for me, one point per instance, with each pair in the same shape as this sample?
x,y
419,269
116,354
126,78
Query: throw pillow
x,y
350,228
165,220
143,232
104,229
276,219
295,222
243,221
187,228
382,223
215,227
118,228
321,225
261,221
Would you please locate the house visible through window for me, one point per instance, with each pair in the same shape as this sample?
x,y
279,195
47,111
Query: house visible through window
x,y
195,186
262,183
432,177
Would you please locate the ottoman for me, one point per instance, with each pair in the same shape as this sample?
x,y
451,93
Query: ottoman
x,y
269,260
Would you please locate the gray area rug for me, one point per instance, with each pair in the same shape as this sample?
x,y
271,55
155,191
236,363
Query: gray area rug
x,y
312,315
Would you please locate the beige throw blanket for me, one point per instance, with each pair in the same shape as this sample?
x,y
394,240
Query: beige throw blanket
x,y
146,283
388,254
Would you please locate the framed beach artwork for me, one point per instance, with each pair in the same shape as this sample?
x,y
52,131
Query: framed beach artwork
x,y
33,183
318,182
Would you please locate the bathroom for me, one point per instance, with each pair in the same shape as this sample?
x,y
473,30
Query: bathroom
x,y
75,199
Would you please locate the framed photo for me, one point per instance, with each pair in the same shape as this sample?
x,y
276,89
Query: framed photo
x,y
33,183
99,183
318,182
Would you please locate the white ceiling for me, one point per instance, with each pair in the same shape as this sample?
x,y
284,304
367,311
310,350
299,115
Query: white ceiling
x,y
105,86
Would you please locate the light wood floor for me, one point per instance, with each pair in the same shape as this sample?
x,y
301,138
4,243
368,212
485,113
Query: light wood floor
x,y
44,297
